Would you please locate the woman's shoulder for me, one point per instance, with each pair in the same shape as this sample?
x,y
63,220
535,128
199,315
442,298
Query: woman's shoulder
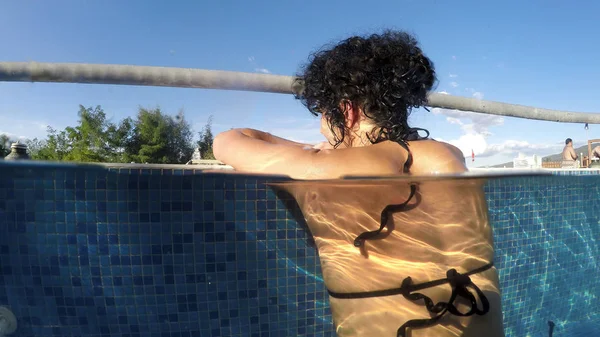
x,y
430,156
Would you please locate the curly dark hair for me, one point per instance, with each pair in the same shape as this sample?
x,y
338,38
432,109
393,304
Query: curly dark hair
x,y
386,74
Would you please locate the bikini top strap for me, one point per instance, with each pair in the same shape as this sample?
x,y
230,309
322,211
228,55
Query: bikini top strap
x,y
385,214
412,135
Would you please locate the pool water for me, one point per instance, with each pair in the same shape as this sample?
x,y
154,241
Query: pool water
x,y
91,251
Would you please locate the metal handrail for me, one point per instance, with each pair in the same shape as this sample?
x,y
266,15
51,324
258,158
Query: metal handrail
x,y
229,80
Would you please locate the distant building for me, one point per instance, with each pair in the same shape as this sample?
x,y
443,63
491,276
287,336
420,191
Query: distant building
x,y
523,161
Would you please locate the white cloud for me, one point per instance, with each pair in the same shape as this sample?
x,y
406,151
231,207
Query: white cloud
x,y
453,75
517,146
454,84
479,128
13,136
479,123
453,120
257,67
443,92
475,129
22,128
471,122
469,142
480,147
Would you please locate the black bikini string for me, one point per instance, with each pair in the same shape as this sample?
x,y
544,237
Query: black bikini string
x,y
385,214
460,284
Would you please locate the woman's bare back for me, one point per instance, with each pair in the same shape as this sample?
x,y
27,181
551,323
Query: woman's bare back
x,y
445,226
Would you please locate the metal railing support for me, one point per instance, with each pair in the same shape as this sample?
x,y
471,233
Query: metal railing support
x,y
229,80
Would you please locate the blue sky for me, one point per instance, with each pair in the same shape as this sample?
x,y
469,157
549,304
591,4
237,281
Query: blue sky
x,y
539,53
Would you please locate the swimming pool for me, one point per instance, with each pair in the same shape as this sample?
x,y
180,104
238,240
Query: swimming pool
x,y
172,251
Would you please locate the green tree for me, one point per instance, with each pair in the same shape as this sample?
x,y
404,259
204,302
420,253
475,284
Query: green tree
x,y
159,138
94,139
91,140
5,143
56,147
151,137
34,146
120,136
205,140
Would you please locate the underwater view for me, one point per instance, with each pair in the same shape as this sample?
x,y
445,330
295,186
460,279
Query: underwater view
x,y
277,169
94,251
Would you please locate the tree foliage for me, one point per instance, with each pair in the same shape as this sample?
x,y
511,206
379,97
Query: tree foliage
x,y
159,138
5,143
151,137
205,141
93,139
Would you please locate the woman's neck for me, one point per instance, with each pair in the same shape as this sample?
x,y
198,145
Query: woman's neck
x,y
360,136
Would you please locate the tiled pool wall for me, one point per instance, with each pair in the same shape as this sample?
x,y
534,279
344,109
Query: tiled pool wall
x,y
86,251
546,232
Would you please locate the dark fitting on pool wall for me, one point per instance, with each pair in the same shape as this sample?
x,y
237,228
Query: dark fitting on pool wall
x,y
18,152
550,328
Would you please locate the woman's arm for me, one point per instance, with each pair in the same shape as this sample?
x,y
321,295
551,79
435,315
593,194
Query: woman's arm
x,y
257,152
269,138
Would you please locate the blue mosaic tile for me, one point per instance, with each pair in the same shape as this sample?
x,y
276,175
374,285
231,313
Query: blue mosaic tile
x,y
88,251
124,252
547,252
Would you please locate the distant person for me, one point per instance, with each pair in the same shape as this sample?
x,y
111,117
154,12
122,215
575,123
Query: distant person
x,y
569,156
381,246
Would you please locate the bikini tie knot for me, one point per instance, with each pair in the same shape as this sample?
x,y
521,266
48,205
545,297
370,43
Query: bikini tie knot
x,y
458,280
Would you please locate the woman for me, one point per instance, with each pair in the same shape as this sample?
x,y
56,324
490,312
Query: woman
x,y
364,89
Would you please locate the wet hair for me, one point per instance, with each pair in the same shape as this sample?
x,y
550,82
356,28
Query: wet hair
x,y
569,140
387,75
